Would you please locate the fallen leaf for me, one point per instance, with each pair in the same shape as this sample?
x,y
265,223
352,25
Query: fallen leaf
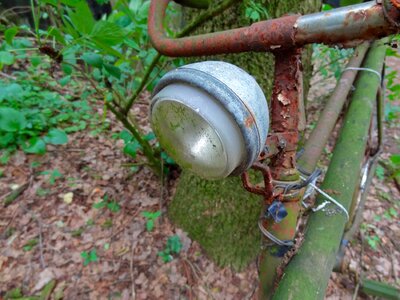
x,y
67,198
44,278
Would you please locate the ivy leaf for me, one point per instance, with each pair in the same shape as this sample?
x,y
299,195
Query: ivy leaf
x,y
35,146
11,120
93,59
56,137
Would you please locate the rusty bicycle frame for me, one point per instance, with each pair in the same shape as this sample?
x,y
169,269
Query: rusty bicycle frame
x,y
284,37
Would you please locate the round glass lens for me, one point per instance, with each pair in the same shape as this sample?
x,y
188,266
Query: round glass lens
x,y
189,139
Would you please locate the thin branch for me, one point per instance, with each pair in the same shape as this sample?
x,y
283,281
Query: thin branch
x,y
146,147
201,19
42,262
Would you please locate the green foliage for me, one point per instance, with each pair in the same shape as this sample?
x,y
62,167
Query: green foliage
x,y
331,59
32,113
29,245
380,172
106,53
54,175
89,257
349,2
112,205
173,246
255,11
151,217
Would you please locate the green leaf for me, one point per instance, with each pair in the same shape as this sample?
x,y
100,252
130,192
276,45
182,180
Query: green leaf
x,y
166,256
35,60
56,137
6,58
11,120
36,146
58,36
67,69
107,33
395,159
65,80
132,44
93,59
28,246
149,225
14,294
380,172
113,70
89,257
100,205
131,148
81,18
113,206
150,136
10,33
54,175
126,136
174,244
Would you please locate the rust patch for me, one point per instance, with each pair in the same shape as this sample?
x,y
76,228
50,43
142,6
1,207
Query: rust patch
x,y
396,3
282,99
249,121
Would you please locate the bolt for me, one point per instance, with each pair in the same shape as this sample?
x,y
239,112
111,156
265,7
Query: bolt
x,y
282,143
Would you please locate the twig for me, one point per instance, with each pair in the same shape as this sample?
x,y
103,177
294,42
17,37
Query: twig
x,y
132,276
42,262
355,294
161,190
201,19
8,76
10,197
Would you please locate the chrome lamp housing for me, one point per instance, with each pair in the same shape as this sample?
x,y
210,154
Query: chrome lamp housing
x,y
211,117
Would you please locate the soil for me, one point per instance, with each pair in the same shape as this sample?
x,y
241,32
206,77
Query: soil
x,y
46,232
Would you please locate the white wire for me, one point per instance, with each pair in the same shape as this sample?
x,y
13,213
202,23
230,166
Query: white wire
x,y
365,69
329,198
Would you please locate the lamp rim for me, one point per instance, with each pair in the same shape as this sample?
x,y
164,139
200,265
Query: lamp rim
x,y
234,105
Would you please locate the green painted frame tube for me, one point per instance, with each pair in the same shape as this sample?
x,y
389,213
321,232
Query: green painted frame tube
x,y
307,275
329,116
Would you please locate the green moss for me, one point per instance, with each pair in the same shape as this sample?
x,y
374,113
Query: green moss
x,y
221,215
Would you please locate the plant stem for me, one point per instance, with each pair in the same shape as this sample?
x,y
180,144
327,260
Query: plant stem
x,y
201,19
154,163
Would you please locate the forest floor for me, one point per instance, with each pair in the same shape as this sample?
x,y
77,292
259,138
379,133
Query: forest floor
x,y
79,227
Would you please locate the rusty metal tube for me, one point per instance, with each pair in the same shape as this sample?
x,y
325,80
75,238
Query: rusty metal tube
x,y
326,123
259,36
361,22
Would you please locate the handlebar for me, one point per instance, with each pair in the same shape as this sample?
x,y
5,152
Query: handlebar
x,y
364,21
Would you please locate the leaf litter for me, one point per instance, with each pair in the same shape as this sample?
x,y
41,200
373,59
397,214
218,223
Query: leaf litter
x,y
122,257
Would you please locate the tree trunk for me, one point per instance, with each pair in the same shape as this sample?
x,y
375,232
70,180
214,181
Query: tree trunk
x,y
221,215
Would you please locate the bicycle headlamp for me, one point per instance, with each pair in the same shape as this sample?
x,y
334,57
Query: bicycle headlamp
x,y
211,118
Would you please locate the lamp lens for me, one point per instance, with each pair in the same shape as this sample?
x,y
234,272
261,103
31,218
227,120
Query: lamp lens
x,y
189,138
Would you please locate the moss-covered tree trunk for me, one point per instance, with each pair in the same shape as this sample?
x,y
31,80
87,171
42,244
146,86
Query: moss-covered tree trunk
x,y
221,215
